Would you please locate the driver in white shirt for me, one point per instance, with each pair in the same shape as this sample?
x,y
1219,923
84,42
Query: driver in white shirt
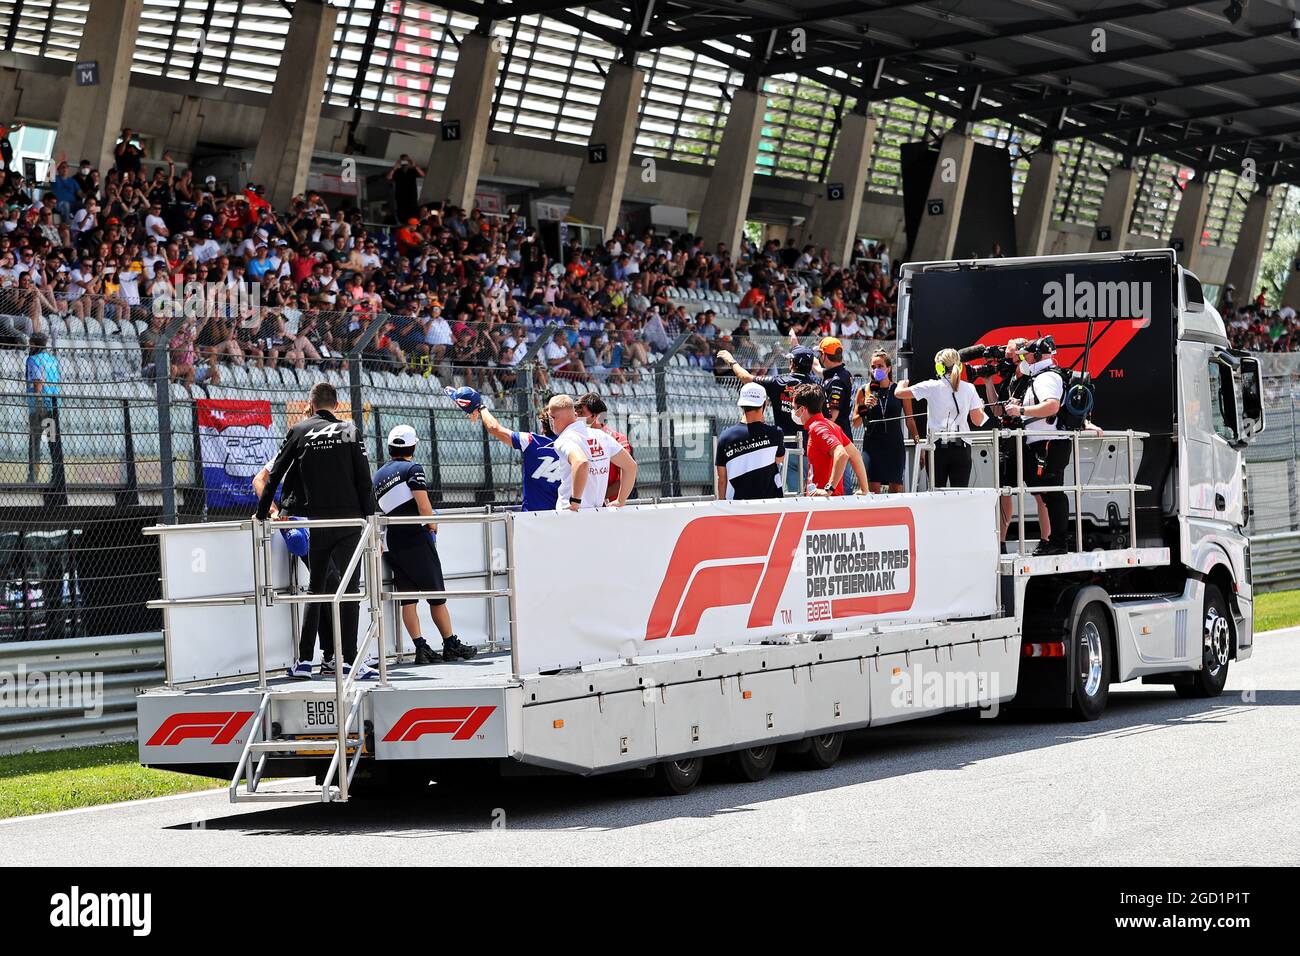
x,y
584,457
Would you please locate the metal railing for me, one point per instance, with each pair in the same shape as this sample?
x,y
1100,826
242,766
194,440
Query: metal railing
x,y
996,436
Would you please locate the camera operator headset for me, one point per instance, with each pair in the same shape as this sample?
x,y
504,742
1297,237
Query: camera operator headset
x,y
1045,455
949,403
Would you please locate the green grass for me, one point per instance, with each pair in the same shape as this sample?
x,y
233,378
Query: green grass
x,y
85,777
1274,609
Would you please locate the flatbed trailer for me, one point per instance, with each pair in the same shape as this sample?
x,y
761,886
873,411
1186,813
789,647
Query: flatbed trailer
x,y
718,628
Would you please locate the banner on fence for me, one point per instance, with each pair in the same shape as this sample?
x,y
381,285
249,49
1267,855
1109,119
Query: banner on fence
x,y
236,441
607,585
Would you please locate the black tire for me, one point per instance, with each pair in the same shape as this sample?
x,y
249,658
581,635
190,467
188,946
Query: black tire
x,y
676,778
823,750
1092,645
752,764
1216,648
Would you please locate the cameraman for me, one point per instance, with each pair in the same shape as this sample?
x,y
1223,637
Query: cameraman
x,y
1045,454
1012,387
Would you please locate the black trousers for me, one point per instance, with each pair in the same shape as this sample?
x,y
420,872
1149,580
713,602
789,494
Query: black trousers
x,y
311,616
1045,463
952,465
43,425
328,555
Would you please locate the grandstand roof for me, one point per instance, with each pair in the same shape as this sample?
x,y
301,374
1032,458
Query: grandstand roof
x,y
1172,77
1136,77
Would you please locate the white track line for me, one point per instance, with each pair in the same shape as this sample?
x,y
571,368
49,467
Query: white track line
x,y
132,803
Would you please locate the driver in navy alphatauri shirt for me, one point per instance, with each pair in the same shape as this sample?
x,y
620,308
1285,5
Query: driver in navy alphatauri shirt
x,y
750,454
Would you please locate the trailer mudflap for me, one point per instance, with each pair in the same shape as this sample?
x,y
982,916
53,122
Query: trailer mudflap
x,y
445,724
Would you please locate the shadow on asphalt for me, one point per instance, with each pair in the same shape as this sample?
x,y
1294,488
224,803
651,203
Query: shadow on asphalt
x,y
556,803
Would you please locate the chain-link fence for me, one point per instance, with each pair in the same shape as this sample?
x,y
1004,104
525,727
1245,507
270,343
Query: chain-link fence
x,y
95,444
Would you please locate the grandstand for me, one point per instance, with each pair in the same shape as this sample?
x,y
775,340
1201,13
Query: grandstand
x,y
635,186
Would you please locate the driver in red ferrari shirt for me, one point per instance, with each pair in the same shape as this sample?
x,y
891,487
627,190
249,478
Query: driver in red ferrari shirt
x,y
830,451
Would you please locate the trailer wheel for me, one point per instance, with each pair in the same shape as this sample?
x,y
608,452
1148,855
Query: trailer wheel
x,y
823,750
676,778
753,763
1216,646
1092,649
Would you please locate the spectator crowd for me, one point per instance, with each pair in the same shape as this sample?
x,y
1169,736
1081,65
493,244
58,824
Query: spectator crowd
x,y
303,285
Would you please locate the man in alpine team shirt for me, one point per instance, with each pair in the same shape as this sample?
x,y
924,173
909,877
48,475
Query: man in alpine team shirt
x,y
541,470
830,451
411,549
750,454
592,409
585,458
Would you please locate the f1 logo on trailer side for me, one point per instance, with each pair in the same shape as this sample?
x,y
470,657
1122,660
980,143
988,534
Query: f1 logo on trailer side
x,y
460,722
759,551
218,727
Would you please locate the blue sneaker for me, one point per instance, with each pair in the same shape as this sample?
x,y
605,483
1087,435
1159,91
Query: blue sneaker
x,y
366,672
327,668
301,670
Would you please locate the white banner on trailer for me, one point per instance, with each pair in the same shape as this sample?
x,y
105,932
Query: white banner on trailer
x,y
604,586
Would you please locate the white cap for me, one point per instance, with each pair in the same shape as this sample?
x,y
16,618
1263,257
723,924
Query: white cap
x,y
402,436
752,395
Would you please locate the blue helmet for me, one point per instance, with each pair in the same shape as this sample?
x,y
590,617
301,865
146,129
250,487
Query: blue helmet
x,y
801,359
297,541
467,399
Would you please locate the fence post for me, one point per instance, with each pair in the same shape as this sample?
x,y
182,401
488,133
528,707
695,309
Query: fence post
x,y
162,369
354,369
673,487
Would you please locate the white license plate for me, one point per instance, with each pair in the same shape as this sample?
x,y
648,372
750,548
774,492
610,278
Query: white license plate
x,y
319,714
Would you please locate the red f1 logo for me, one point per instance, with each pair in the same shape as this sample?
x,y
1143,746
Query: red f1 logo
x,y
461,722
727,560
219,727
1108,339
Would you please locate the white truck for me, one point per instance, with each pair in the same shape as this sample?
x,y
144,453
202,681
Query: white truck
x,y
651,638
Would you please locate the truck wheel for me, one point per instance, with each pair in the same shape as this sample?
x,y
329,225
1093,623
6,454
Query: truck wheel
x,y
1091,663
676,778
753,763
1216,644
823,750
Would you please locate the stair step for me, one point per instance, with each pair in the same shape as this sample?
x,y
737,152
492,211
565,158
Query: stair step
x,y
298,744
277,796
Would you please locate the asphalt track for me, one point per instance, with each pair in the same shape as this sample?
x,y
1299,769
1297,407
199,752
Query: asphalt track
x,y
1156,781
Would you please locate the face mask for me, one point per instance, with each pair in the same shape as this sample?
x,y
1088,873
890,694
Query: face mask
x,y
878,374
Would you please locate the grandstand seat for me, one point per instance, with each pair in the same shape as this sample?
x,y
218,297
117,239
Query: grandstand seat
x,y
94,329
58,327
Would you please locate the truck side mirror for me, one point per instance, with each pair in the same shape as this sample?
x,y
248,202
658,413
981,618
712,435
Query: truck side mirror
x,y
1252,398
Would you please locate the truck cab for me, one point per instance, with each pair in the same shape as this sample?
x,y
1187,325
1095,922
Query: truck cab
x,y
1161,365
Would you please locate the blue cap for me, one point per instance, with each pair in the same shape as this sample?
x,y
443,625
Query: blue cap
x,y
466,398
297,541
802,358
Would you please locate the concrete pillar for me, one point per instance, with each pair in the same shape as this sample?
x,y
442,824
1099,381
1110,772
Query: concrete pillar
x,y
457,159
1116,211
598,193
11,92
91,119
726,201
184,128
1037,200
1290,294
835,213
937,234
292,117
1248,253
1189,222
